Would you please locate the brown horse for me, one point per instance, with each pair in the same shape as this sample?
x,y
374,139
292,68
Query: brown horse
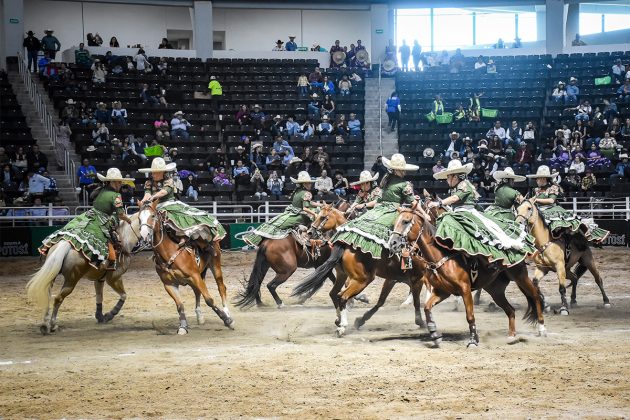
x,y
552,255
356,270
180,266
63,259
452,273
285,255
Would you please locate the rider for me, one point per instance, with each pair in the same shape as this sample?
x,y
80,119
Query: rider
x,y
368,194
186,223
557,218
505,196
296,214
371,231
91,232
469,230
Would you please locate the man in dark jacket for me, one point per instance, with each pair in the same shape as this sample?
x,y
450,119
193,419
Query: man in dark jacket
x,y
32,46
36,159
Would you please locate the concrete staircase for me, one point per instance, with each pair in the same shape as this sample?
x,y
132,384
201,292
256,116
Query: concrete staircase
x,y
371,123
38,130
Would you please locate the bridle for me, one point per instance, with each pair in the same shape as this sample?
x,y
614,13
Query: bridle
x,y
157,219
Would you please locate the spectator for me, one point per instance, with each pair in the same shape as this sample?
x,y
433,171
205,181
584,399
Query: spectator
x,y
119,114
258,183
307,130
315,78
130,66
221,179
514,134
588,181
625,131
50,44
608,145
572,182
572,91
191,186
146,96
438,106
340,186
618,71
165,45
257,158
113,42
32,46
161,128
405,52
328,107
529,134
340,127
291,45
416,53
277,127
102,115
142,63
379,167
162,66
275,185
37,185
137,148
292,127
622,169
499,45
345,85
328,87
583,111
559,94
496,130
480,65
314,108
354,125
324,127
9,178
287,155
491,67
303,85
321,165
99,72
455,144
323,184
624,92
257,117
214,160
594,158
578,165
487,184
495,145
279,46
37,161
523,158
576,141
100,135
216,92
179,126
274,160
86,174
577,42
438,167
82,57
392,107
63,143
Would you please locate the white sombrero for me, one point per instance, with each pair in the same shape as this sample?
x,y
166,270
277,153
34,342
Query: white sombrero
x,y
159,165
398,162
454,167
295,160
543,172
256,146
113,174
428,152
508,173
366,176
303,178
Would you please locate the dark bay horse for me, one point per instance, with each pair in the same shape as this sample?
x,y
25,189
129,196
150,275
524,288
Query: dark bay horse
x,y
180,266
284,256
451,273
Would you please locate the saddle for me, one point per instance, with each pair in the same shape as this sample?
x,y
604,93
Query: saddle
x,y
310,246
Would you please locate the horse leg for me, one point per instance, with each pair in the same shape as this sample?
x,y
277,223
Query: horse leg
x,y
589,262
217,272
200,318
66,289
173,292
470,315
562,288
416,289
436,297
116,284
354,287
538,275
334,294
409,299
98,288
273,285
196,282
388,285
478,297
496,290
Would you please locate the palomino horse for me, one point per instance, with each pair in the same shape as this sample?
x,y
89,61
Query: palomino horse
x,y
63,259
180,266
356,270
284,256
552,255
451,273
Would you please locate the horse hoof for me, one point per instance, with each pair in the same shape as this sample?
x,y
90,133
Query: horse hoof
x,y
437,342
563,312
358,323
44,329
340,332
420,323
607,306
54,328
337,322
472,345
362,298
229,323
99,318
542,331
201,320
182,331
280,305
512,339
547,309
574,304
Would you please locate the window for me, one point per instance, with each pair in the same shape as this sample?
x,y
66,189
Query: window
x,y
615,22
492,26
414,24
590,23
527,27
452,28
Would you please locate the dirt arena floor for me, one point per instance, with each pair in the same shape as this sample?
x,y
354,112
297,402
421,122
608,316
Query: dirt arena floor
x,y
288,362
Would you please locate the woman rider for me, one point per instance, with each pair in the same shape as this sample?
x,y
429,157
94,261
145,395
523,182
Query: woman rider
x,y
557,218
467,229
186,223
296,214
368,194
90,233
371,231
506,198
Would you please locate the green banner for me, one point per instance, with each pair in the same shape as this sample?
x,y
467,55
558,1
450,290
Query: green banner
x,y
236,232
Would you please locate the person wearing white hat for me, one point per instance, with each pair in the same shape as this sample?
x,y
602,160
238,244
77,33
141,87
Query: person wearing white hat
x,y
559,93
559,220
296,214
506,198
179,126
90,232
371,231
186,223
467,229
368,194
573,91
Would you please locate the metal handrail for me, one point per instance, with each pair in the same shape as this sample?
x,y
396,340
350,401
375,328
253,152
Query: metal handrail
x,y
380,107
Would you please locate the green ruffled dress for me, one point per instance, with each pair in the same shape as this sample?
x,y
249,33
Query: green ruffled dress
x,y
504,202
281,226
371,231
89,233
182,220
468,230
561,221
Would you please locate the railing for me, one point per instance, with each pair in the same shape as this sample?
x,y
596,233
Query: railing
x,y
380,107
32,213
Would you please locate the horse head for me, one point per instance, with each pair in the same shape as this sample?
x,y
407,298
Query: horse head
x,y
527,212
329,218
148,219
407,228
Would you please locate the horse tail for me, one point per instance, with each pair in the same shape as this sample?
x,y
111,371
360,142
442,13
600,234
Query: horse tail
x,y
248,296
531,314
38,287
311,284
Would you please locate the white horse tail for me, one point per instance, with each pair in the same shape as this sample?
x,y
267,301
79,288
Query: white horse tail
x,y
38,287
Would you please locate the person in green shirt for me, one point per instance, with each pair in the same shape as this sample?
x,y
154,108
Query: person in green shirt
x,y
368,194
466,229
216,92
91,232
371,231
506,198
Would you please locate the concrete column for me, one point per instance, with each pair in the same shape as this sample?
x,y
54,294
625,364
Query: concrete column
x,y
541,22
573,22
379,17
555,26
11,29
202,28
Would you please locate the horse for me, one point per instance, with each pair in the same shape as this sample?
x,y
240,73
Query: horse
x,y
356,270
179,266
451,273
285,255
63,259
553,255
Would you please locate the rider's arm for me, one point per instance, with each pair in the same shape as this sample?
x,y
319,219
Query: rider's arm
x,y
120,210
167,188
545,201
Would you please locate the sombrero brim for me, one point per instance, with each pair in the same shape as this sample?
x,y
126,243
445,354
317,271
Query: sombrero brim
x,y
374,178
552,175
104,178
408,167
304,181
499,175
464,169
168,168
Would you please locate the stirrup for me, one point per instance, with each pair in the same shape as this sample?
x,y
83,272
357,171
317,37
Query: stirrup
x,y
182,243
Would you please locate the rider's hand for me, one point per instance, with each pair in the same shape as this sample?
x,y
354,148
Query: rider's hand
x,y
433,204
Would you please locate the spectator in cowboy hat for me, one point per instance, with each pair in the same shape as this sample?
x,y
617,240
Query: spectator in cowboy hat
x,y
428,153
179,126
257,116
50,44
32,46
559,93
257,158
324,126
279,46
455,143
291,45
572,91
278,127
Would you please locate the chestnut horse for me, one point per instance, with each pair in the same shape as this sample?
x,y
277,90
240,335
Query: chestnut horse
x,y
284,256
451,273
552,255
184,266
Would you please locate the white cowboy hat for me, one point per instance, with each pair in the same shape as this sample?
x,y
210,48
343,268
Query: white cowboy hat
x,y
48,30
90,149
325,117
256,106
113,174
561,83
428,152
573,79
213,77
543,172
366,176
277,117
159,165
508,173
239,148
179,113
623,156
454,133
295,160
70,101
256,146
303,178
398,162
454,167
454,155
